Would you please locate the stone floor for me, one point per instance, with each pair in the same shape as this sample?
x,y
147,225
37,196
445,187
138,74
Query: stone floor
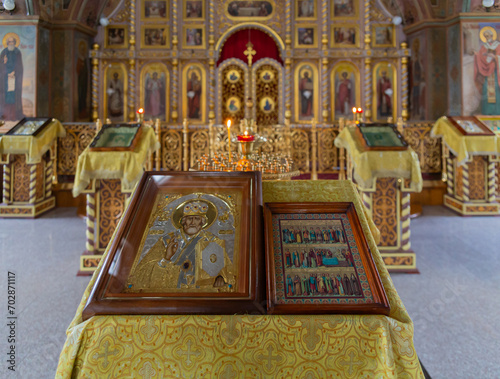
x,y
454,301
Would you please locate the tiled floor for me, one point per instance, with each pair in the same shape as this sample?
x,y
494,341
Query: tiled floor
x,y
454,301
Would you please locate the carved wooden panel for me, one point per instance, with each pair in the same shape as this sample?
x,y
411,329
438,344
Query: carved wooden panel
x,y
276,140
267,99
40,180
171,150
459,182
300,149
427,148
199,144
21,180
384,211
78,137
328,154
111,206
477,178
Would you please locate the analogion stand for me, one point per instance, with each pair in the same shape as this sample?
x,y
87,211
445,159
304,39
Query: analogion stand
x,y
470,161
28,161
107,173
385,179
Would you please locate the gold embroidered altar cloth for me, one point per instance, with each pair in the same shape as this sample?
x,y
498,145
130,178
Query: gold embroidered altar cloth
x,y
125,165
250,346
463,146
370,165
33,146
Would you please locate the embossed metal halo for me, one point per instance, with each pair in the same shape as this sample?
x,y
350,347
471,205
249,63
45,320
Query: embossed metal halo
x,y
179,212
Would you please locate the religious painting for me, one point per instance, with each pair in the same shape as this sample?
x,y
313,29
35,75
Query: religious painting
x,y
306,90
306,36
115,92
116,37
346,9
194,10
305,9
192,247
384,91
267,104
17,72
480,69
154,37
233,105
82,70
383,35
156,10
492,122
193,36
194,92
318,261
250,10
30,126
233,76
154,86
345,35
345,94
267,76
470,126
380,137
417,78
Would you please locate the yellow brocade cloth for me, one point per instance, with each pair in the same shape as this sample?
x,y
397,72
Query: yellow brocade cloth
x,y
370,165
125,165
462,146
250,346
33,146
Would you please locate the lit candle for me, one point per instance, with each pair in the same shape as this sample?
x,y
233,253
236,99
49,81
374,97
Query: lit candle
x,y
140,114
229,139
245,137
354,110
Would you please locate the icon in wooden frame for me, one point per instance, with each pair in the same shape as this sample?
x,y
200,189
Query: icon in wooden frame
x,y
249,10
193,36
470,126
155,10
345,35
154,36
383,35
193,246
116,37
492,122
30,126
306,36
344,9
318,261
194,10
305,9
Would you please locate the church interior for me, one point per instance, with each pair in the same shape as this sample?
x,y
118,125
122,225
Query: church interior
x,y
124,123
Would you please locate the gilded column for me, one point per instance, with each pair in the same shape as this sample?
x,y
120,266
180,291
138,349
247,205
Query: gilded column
x,y
405,221
32,193
211,63
288,60
465,182
368,63
492,178
185,145
449,176
158,138
342,163
324,61
131,64
6,183
90,234
95,81
49,170
404,81
175,64
314,150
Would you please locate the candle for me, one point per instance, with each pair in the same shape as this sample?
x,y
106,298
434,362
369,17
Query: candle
x,y
140,114
354,110
229,139
245,137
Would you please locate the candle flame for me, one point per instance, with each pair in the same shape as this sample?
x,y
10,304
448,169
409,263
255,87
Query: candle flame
x,y
140,110
354,110
360,110
228,123
246,133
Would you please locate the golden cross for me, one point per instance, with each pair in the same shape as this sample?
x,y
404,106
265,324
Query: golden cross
x,y
249,52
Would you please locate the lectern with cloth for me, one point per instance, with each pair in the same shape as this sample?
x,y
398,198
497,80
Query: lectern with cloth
x,y
250,346
385,179
471,152
28,154
108,178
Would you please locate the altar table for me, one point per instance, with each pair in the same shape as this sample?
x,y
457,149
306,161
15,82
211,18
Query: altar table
x,y
28,169
385,180
471,170
250,346
108,178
